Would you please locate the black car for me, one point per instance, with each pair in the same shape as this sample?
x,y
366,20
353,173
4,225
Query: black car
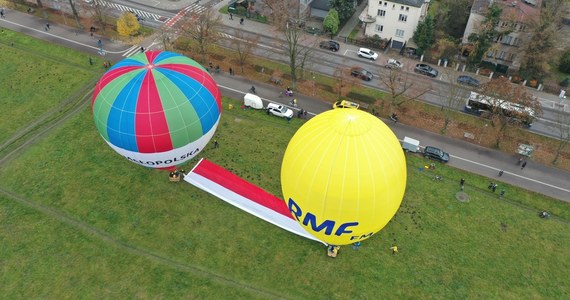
x,y
468,80
361,73
426,70
330,45
436,153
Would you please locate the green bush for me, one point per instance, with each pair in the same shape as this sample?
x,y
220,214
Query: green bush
x,y
565,62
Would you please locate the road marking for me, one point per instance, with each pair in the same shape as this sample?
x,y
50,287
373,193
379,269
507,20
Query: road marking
x,y
194,8
509,173
138,12
131,51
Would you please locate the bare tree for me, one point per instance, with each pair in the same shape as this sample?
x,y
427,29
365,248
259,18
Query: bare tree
x,y
401,88
285,17
501,94
203,28
342,82
74,11
562,125
243,43
451,98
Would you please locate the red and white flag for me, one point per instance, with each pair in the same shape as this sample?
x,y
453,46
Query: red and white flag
x,y
229,187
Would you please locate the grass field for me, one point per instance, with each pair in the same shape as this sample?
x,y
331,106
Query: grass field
x,y
37,77
79,221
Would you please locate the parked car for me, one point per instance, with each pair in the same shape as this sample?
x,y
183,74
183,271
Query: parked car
x,y
367,53
393,64
468,80
426,70
345,104
361,73
436,153
330,45
279,110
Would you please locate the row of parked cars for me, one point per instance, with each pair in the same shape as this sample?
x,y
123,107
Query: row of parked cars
x,y
366,75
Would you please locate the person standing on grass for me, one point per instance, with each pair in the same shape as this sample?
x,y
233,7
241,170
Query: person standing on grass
x,y
394,249
462,183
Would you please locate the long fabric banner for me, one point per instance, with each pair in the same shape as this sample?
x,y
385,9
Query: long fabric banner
x,y
229,187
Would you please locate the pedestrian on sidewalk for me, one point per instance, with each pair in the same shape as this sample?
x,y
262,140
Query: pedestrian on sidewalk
x,y
241,21
231,71
500,173
47,26
231,16
2,13
142,49
523,165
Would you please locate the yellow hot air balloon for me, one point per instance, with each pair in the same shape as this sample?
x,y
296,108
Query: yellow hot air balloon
x,y
343,176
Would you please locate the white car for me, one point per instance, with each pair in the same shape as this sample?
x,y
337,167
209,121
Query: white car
x,y
367,53
393,64
279,110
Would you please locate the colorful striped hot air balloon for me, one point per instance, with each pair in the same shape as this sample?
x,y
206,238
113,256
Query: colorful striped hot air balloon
x,y
158,109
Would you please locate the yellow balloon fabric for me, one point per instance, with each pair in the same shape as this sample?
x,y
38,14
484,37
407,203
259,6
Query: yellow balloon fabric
x,y
343,175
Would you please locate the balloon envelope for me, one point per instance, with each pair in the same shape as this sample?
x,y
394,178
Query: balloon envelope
x,y
343,176
158,109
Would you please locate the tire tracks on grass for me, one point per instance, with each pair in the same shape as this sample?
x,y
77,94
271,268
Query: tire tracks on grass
x,y
109,239
26,137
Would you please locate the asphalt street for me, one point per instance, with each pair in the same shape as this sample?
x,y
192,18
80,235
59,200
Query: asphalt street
x,y
467,156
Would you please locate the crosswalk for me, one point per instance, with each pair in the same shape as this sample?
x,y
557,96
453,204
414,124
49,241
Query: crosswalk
x,y
194,8
138,12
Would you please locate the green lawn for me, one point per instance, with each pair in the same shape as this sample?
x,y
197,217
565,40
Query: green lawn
x,y
37,77
80,221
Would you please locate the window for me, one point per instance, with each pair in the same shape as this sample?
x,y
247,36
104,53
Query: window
x,y
511,56
399,33
381,12
501,55
403,18
522,27
379,28
516,42
380,3
507,39
401,8
490,53
385,3
407,8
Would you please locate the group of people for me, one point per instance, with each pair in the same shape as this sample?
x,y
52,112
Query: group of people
x,y
176,175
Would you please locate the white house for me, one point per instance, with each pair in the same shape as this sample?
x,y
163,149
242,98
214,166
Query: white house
x,y
395,19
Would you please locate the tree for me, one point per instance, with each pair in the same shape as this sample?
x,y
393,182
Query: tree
x,y
483,40
401,88
287,21
74,11
127,24
203,27
562,126
452,16
452,98
544,35
424,36
345,8
565,62
502,91
331,22
244,43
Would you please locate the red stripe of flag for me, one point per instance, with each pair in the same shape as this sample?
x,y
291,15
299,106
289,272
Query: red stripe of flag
x,y
239,186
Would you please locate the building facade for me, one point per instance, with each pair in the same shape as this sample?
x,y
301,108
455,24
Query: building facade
x,y
514,26
394,20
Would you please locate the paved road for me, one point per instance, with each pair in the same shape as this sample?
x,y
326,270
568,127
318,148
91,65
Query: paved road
x,y
483,161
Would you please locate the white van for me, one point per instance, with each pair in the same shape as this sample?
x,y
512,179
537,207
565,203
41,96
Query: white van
x,y
253,101
411,145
